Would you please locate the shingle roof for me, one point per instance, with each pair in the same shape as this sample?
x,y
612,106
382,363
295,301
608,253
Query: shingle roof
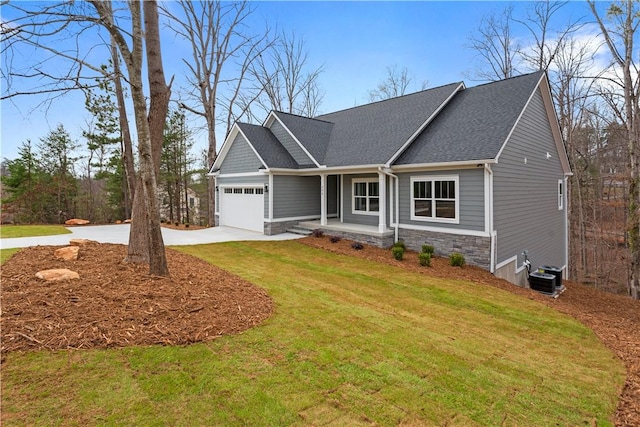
x,y
475,124
268,146
314,134
372,133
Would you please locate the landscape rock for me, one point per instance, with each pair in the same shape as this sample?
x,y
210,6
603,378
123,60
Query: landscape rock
x,y
127,221
81,242
69,253
77,221
57,274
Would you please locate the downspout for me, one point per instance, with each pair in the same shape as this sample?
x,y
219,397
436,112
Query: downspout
x,y
396,202
492,237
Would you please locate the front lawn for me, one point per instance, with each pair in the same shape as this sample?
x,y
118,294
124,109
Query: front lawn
x,y
351,342
11,231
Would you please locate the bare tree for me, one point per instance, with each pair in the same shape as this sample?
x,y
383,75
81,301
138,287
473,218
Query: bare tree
x,y
396,83
619,31
287,82
221,52
496,47
36,27
547,41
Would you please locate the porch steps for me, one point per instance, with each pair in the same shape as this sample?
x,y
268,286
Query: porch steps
x,y
301,230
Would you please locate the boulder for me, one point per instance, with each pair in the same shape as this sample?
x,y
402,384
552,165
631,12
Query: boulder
x,y
81,242
127,221
69,253
57,274
77,221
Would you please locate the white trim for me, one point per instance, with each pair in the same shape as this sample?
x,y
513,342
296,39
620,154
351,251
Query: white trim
x,y
242,185
270,197
494,251
401,150
423,167
460,232
513,259
355,181
227,146
273,113
239,175
382,202
294,218
323,199
433,179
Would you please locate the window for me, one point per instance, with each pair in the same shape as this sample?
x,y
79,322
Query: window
x,y
228,190
560,194
248,191
366,196
237,191
192,201
259,190
434,198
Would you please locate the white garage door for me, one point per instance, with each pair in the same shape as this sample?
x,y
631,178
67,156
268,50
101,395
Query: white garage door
x,y
242,207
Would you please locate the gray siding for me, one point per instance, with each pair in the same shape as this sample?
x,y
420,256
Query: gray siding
x,y
240,158
290,144
471,196
295,196
347,200
526,194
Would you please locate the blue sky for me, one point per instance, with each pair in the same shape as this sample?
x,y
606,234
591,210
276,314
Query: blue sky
x,y
354,41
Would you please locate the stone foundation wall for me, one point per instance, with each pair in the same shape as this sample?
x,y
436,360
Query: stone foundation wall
x,y
271,228
476,250
382,240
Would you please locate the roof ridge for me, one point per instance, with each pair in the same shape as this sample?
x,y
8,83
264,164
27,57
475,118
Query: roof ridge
x,y
302,117
391,99
508,79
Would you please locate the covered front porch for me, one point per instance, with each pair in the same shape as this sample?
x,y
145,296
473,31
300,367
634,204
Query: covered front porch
x,y
368,234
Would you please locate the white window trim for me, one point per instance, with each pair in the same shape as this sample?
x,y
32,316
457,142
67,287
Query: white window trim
x,y
561,191
455,178
353,196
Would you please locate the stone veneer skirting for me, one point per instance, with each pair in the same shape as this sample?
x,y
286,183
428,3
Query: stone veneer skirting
x,y
476,250
271,228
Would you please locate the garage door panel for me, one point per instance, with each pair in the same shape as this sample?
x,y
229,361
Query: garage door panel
x,y
242,207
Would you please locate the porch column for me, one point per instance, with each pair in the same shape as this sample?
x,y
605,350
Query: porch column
x,y
382,214
323,199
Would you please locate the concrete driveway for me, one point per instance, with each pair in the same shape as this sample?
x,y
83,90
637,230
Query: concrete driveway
x,y
120,234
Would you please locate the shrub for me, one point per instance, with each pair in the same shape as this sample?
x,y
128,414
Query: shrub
x,y
400,244
428,249
425,259
317,233
456,259
186,225
177,224
335,239
398,252
357,246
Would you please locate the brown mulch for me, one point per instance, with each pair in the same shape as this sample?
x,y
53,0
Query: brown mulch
x,y
615,319
116,304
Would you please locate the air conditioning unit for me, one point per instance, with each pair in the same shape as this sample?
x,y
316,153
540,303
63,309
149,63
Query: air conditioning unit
x,y
543,282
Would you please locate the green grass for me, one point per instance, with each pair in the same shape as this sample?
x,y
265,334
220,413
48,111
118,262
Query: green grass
x,y
10,231
350,343
5,254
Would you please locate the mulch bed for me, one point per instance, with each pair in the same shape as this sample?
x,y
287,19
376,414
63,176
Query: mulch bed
x,y
615,319
116,304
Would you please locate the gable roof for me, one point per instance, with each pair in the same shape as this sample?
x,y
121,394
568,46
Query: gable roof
x,y
267,146
446,124
373,133
475,124
312,133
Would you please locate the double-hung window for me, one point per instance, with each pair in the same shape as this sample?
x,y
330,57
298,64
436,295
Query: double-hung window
x,y
366,196
435,198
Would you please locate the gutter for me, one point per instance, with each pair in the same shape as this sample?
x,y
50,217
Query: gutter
x,y
492,266
396,201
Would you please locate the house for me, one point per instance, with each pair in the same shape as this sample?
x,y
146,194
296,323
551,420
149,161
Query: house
x,y
480,170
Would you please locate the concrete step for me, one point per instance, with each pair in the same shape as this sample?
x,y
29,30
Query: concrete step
x,y
300,230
